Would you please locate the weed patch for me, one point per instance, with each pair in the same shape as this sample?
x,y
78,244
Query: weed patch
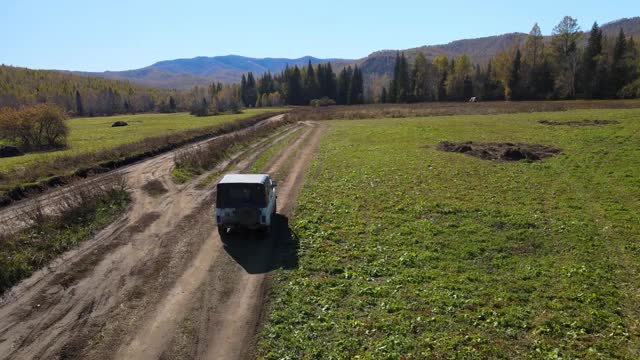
x,y
81,215
265,157
196,161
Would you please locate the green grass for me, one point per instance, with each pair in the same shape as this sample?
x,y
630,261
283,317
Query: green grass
x,y
90,135
184,174
31,249
408,252
196,162
264,158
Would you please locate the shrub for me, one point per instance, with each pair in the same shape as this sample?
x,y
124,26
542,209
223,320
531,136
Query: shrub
x,y
34,127
325,101
82,212
119,124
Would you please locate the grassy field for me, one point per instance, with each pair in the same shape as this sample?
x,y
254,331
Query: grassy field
x,y
89,135
409,252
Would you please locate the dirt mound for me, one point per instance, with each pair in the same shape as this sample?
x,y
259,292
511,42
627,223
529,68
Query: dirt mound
x,y
580,122
500,151
154,188
9,151
119,123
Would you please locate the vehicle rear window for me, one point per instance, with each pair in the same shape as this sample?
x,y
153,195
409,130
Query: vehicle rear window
x,y
241,195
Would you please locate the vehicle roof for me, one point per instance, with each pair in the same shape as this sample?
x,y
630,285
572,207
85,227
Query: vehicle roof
x,y
244,179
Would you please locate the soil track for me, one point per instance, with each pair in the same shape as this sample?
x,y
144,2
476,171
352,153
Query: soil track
x,y
579,122
159,282
500,151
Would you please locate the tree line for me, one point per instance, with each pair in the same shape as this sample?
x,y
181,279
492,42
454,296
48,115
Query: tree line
x,y
300,86
84,95
557,68
80,95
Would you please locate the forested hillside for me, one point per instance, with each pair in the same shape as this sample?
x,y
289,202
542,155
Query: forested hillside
x,y
555,68
481,50
82,95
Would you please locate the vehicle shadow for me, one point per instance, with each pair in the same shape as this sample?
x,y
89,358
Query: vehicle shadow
x,y
261,253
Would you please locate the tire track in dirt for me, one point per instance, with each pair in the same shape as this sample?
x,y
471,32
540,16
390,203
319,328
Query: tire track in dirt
x,y
59,311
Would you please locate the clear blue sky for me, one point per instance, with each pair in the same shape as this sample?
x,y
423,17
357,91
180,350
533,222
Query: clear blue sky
x,y
118,35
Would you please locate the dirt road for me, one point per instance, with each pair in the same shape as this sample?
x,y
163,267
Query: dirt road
x,y
159,282
12,217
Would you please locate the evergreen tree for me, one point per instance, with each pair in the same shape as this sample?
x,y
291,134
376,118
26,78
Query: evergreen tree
x,y
400,86
590,60
383,95
344,78
310,83
513,82
172,104
356,89
251,90
243,90
294,94
79,107
330,81
467,87
621,66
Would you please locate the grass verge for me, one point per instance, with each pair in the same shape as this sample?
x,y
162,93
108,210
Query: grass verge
x,y
264,158
83,214
192,162
409,252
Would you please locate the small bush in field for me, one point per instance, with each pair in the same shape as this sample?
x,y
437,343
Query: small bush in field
x,y
325,101
35,127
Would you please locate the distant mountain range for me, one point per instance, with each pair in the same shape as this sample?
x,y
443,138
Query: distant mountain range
x,y
185,73
202,70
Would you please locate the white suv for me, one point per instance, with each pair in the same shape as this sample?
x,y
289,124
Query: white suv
x,y
245,201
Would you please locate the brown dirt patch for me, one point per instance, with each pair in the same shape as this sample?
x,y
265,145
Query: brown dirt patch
x,y
500,151
580,122
154,188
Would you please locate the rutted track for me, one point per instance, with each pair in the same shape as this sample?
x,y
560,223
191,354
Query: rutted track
x,y
12,217
161,268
